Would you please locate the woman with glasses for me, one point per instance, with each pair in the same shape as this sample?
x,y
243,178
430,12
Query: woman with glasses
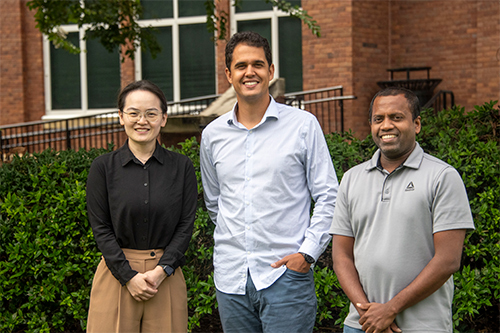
x,y
141,202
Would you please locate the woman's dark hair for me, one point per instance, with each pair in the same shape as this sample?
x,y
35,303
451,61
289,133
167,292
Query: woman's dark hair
x,y
411,98
142,85
249,38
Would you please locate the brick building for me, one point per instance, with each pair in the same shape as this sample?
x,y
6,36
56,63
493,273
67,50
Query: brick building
x,y
360,40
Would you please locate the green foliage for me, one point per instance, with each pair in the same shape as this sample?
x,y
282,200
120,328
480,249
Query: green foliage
x,y
471,143
48,255
198,270
47,251
347,151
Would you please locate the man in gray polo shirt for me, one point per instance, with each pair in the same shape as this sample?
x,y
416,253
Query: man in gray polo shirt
x,y
399,227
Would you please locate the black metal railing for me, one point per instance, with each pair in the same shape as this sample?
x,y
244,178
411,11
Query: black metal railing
x,y
326,104
441,101
95,131
75,133
190,105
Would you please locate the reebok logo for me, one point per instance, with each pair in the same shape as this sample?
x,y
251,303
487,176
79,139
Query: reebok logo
x,y
410,187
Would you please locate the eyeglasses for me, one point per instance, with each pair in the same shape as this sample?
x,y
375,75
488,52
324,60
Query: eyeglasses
x,y
151,116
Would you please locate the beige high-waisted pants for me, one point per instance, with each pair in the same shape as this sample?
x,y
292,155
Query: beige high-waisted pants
x,y
113,309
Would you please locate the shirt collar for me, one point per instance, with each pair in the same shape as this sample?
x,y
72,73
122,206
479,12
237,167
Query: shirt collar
x,y
272,112
413,161
127,156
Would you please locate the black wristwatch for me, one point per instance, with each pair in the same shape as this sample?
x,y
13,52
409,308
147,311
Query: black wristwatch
x,y
168,269
308,258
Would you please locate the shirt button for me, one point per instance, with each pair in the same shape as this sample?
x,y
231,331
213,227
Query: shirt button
x,y
143,238
152,254
249,155
251,131
145,220
386,191
247,203
248,178
145,184
144,168
249,252
146,202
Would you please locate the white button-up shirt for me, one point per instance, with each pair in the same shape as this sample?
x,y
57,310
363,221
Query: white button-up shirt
x,y
258,186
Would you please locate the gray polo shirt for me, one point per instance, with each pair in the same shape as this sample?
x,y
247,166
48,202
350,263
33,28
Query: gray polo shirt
x,y
393,218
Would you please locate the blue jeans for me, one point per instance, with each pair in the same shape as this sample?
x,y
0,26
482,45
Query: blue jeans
x,y
287,306
349,329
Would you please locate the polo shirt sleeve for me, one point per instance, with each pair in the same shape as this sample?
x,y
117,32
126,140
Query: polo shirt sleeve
x,y
341,223
450,207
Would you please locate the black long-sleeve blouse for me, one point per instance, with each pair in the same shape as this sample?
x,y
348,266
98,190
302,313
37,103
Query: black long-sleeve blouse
x,y
136,206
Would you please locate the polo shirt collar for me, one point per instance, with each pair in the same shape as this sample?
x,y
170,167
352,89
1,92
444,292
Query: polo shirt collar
x,y
127,156
413,161
272,112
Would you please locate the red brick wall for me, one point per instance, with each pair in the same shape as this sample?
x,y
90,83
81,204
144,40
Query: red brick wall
x,y
32,56
127,69
488,51
370,57
220,61
327,60
458,39
11,63
21,64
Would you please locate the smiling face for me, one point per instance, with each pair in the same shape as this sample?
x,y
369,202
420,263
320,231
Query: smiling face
x,y
250,73
393,128
142,131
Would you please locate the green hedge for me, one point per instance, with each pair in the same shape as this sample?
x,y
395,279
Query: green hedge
x,y
48,255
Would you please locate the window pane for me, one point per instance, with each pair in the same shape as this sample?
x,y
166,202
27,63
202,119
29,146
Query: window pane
x,y
154,9
290,57
159,70
259,5
65,76
192,8
253,6
262,27
103,75
197,57
295,2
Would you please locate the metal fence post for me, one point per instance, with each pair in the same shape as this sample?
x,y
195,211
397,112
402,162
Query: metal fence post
x,y
68,135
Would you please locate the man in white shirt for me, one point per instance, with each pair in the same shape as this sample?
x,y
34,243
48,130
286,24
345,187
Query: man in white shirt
x,y
261,164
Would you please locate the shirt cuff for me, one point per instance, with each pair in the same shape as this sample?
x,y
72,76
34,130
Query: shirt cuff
x,y
311,248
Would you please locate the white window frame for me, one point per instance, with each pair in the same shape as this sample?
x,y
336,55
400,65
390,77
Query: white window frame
x,y
50,113
174,22
274,16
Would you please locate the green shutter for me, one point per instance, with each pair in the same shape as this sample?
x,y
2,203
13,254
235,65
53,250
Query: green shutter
x,y
290,58
262,27
65,76
197,61
259,5
253,6
103,75
159,70
192,8
155,9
